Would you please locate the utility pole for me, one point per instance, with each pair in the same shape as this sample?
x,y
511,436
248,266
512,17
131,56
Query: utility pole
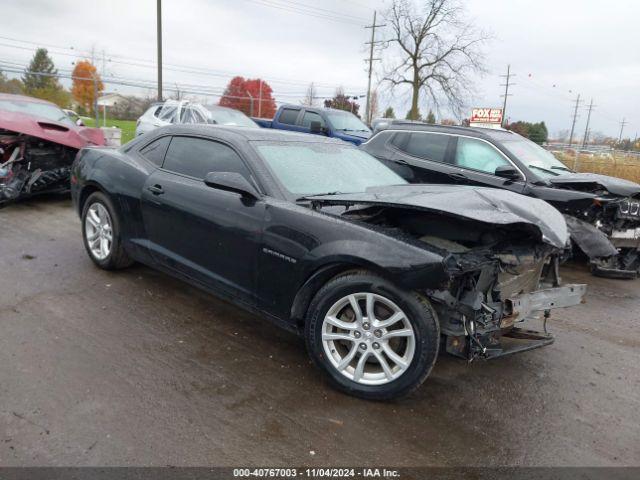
x,y
95,99
159,40
506,86
622,124
575,117
371,44
586,129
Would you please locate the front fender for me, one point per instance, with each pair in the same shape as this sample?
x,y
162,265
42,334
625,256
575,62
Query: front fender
x,y
406,265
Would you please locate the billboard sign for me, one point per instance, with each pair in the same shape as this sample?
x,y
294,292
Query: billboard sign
x,y
486,117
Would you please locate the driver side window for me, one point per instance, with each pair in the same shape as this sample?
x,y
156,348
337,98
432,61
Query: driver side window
x,y
478,155
196,157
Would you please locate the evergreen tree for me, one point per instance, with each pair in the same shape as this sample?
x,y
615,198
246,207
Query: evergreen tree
x,y
389,113
42,63
413,115
431,118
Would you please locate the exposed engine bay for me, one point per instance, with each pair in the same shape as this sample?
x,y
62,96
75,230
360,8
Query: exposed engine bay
x,y
30,165
499,277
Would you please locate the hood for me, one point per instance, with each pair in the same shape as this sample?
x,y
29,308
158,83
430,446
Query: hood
x,y
487,205
68,135
593,181
355,137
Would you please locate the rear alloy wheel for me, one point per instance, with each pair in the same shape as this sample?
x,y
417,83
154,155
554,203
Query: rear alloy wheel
x,y
372,339
101,233
98,231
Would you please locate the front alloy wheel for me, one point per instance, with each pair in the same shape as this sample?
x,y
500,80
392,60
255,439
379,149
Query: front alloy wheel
x,y
368,338
371,338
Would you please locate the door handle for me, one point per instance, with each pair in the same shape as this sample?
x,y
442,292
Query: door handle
x,y
156,189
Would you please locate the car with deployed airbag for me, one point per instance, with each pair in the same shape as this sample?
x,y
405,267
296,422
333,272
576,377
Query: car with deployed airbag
x,y
321,238
602,212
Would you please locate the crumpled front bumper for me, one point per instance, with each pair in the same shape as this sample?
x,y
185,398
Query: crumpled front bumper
x,y
518,309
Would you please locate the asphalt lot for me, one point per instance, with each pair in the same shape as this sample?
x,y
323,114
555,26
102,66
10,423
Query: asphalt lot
x,y
136,368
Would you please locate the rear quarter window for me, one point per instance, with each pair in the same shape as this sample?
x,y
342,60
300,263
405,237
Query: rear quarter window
x,y
430,146
156,150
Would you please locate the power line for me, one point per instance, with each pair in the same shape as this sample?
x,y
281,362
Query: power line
x,y
143,83
371,44
166,66
506,86
309,11
575,117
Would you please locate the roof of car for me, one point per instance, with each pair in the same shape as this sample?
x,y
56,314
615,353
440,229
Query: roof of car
x,y
23,98
250,133
451,129
315,109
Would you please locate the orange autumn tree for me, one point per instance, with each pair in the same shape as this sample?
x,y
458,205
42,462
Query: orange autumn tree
x,y
83,89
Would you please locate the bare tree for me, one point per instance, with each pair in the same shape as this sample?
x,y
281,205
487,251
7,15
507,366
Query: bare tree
x,y
178,94
310,96
437,51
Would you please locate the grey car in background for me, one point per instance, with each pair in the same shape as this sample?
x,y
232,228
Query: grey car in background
x,y
173,112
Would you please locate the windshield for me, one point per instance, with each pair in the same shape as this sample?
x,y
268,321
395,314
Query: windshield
x,y
227,116
346,121
544,163
37,109
321,168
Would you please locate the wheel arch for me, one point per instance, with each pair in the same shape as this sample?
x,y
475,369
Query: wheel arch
x,y
87,189
321,276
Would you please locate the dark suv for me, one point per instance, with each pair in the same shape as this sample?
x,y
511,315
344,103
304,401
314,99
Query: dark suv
x,y
602,212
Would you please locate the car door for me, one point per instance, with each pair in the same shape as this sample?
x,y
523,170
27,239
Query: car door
x,y
424,157
210,235
308,117
477,160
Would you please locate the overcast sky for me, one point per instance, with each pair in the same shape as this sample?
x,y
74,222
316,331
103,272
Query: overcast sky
x,y
556,48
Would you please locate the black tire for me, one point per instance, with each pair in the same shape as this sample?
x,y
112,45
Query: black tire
x,y
418,312
117,257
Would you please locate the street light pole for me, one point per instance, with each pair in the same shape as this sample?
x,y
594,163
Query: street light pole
x,y
159,39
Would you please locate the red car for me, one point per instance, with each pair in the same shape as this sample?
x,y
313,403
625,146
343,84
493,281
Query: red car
x,y
38,143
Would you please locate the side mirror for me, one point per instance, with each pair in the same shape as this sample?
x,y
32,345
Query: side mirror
x,y
507,171
231,182
316,127
79,122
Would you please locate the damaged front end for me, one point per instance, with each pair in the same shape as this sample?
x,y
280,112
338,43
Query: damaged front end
x,y
608,233
500,277
501,253
29,165
492,292
38,143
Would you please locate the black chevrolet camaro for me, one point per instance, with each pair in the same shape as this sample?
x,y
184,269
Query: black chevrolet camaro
x,y
325,240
